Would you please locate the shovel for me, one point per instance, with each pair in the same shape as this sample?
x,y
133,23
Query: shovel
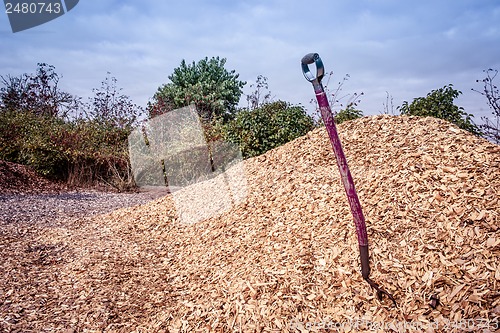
x,y
347,181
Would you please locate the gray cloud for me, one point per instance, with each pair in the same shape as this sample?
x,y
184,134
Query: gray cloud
x,y
387,45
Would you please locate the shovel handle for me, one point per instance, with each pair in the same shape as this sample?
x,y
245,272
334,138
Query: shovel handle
x,y
345,174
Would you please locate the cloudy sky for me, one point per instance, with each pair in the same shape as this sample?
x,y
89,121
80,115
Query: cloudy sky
x,y
405,48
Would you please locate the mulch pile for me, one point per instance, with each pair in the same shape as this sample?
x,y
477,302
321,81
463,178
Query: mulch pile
x,y
286,258
19,179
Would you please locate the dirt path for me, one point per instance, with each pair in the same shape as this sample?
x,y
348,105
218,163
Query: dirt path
x,y
41,210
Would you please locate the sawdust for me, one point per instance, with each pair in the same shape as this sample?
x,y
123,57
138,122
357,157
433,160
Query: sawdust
x,y
286,259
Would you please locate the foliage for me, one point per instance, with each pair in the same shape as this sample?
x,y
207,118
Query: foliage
x,y
346,114
439,104
212,88
80,152
37,93
266,127
110,106
35,130
97,152
159,105
491,128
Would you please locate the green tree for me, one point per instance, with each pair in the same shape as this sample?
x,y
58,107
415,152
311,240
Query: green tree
x,y
208,84
439,104
348,113
266,127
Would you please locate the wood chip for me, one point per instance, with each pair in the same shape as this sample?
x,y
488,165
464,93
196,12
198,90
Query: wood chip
x,y
285,259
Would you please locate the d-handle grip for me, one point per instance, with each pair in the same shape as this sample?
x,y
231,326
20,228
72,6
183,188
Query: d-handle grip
x,y
309,59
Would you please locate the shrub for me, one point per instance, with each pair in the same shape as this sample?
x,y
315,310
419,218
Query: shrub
x,y
97,152
29,139
37,93
439,104
348,113
269,126
35,130
82,152
109,105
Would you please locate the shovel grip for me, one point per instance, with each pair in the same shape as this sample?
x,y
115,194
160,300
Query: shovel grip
x,y
309,58
313,58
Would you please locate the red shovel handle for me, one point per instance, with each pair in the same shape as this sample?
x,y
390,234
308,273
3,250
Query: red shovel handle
x,y
326,114
345,174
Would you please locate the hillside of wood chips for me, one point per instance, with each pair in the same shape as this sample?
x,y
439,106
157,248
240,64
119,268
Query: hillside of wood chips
x,y
286,259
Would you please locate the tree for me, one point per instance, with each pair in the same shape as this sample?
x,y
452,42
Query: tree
x,y
266,127
212,88
439,104
491,129
37,93
110,106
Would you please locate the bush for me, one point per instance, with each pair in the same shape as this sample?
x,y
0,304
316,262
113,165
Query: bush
x,y
82,152
37,93
110,106
348,114
29,139
36,130
12,128
269,126
439,104
97,152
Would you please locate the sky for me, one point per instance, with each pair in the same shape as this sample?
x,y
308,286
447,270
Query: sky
x,y
399,48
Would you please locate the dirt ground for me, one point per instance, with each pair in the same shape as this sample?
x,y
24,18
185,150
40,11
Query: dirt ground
x,y
286,258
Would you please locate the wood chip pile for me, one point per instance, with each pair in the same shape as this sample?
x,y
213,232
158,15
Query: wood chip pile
x,y
19,179
286,259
